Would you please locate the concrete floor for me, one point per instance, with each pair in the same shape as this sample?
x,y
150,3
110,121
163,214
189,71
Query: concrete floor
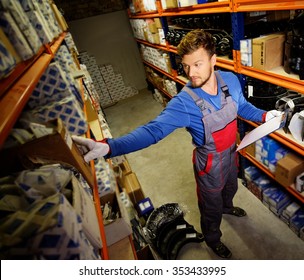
x,y
165,173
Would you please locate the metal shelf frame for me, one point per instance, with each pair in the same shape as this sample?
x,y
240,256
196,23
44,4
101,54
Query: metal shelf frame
x,y
237,9
16,90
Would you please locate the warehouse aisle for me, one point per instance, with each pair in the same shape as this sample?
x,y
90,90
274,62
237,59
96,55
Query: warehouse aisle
x,y
165,173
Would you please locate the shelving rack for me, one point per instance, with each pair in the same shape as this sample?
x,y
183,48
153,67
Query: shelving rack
x,y
15,91
277,76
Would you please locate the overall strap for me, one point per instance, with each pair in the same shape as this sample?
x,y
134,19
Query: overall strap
x,y
205,107
198,101
223,85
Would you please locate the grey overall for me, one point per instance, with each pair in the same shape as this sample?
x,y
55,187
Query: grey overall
x,y
215,163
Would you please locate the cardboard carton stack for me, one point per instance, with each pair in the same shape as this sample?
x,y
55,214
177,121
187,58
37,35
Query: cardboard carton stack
x,y
265,52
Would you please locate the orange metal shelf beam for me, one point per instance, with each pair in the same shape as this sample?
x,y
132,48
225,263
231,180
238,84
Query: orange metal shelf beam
x,y
220,61
152,45
161,89
145,15
18,87
207,8
269,76
225,63
160,70
57,43
20,68
265,5
12,104
104,250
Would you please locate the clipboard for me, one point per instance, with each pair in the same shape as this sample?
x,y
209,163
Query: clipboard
x,y
264,129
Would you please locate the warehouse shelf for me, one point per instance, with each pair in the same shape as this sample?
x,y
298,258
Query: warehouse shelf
x,y
225,62
224,7
221,61
266,5
105,252
284,138
290,189
13,102
183,80
274,76
87,108
161,89
144,15
206,8
162,47
16,89
57,43
23,66
160,70
20,68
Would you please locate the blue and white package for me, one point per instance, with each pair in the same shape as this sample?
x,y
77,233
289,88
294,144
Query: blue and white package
x,y
7,61
68,110
52,86
13,33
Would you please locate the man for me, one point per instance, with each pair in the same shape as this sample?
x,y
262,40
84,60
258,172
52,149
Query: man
x,y
207,107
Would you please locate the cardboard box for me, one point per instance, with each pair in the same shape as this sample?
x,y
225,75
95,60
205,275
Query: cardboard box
x,y
145,253
119,228
171,4
125,168
267,51
121,250
57,147
251,149
158,23
133,188
85,208
288,168
151,25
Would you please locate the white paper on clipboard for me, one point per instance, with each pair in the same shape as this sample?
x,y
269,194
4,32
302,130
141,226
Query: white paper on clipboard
x,y
261,131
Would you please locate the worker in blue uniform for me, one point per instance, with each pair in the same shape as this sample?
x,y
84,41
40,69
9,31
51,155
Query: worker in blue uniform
x,y
207,107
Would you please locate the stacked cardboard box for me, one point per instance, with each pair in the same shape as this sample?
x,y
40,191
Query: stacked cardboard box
x,y
288,168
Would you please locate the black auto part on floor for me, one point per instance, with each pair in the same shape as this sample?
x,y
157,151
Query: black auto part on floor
x,y
169,231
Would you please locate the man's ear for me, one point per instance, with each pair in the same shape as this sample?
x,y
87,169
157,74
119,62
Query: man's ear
x,y
213,59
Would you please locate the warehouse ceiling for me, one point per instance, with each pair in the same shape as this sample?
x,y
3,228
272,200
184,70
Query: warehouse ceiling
x,y
78,9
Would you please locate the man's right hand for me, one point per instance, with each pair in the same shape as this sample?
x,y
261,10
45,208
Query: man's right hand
x,y
90,148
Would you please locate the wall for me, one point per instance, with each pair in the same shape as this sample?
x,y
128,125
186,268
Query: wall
x,y
109,38
77,9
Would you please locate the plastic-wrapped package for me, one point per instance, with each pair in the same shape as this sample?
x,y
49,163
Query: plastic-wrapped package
x,y
161,215
168,231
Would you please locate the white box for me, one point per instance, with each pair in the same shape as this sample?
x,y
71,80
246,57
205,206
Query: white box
x,y
186,3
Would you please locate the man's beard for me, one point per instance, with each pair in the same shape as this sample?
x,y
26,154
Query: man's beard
x,y
203,82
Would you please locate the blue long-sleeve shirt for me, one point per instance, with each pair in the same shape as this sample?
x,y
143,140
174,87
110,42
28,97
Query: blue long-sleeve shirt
x,y
182,112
